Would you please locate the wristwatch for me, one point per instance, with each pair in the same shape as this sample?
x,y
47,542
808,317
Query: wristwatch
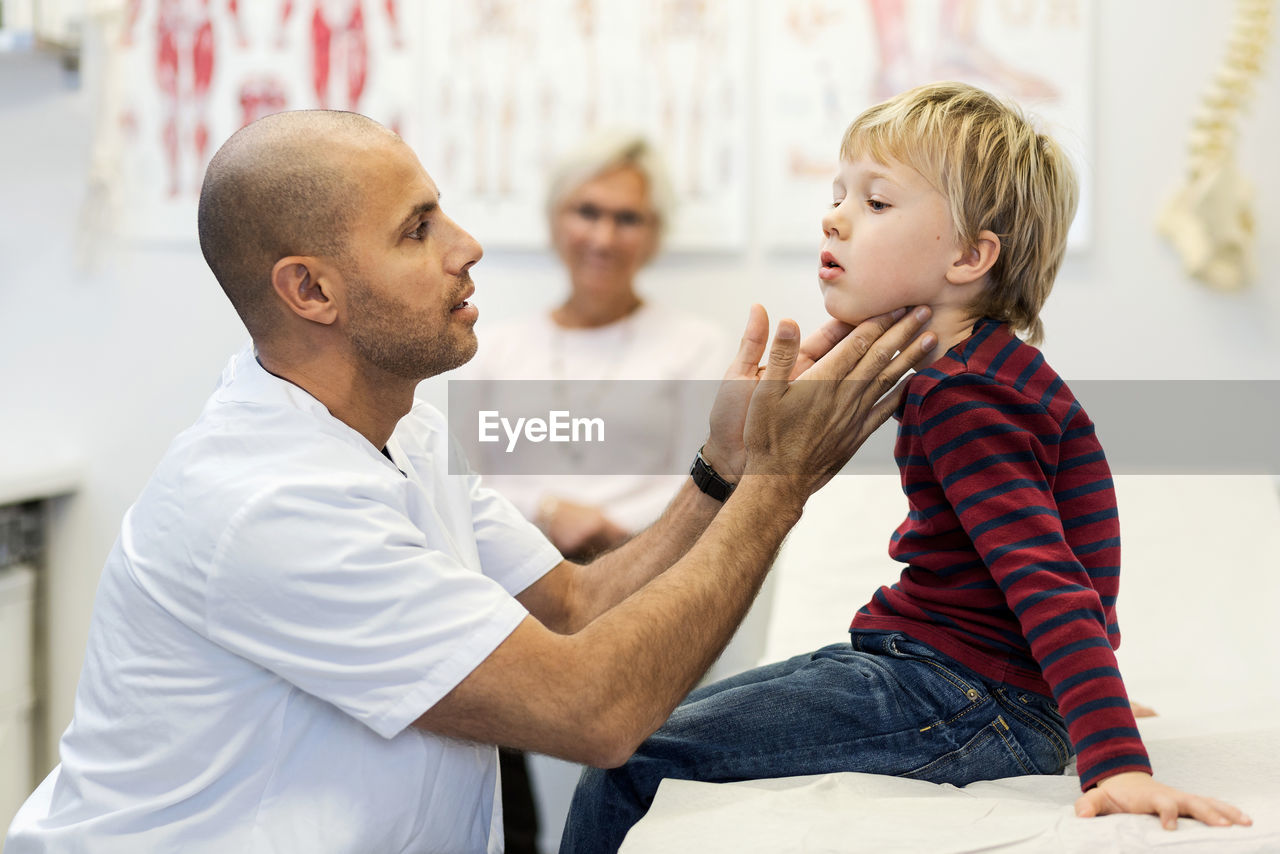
x,y
706,479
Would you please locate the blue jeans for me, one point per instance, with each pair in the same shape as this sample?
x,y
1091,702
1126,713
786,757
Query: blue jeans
x,y
884,704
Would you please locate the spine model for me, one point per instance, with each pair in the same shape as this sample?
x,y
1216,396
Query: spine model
x,y
1209,220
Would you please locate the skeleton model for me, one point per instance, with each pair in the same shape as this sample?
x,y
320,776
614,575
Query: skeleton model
x,y
1209,220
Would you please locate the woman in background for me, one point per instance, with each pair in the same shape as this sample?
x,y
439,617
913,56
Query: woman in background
x,y
602,349
608,205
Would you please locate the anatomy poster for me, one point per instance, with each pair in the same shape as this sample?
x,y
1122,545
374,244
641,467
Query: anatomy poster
x,y
512,84
183,75
822,62
746,98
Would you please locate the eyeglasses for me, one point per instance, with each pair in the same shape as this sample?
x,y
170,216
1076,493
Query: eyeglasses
x,y
623,219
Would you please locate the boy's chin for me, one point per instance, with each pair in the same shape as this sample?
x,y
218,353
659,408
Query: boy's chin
x,y
849,314
846,317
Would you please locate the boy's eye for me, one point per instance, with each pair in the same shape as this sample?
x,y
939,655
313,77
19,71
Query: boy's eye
x,y
419,232
876,205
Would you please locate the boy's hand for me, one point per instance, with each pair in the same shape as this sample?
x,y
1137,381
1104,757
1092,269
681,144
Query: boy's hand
x,y
1142,710
1136,792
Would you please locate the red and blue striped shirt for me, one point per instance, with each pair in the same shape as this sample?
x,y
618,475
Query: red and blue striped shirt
x,y
1012,540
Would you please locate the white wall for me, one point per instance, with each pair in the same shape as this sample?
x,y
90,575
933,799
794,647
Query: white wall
x,y
19,14
52,20
110,363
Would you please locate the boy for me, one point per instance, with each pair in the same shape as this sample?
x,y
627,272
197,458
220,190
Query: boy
x,y
993,654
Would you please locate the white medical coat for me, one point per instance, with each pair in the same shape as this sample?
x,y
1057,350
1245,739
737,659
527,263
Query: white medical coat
x,y
282,603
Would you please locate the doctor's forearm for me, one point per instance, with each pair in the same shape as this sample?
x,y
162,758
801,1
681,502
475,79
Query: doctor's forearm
x,y
614,576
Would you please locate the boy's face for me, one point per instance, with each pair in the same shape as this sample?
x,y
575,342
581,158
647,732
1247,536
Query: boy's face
x,y
889,242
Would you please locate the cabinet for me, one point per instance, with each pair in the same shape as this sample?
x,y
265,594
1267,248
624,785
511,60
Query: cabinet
x,y
27,494
17,686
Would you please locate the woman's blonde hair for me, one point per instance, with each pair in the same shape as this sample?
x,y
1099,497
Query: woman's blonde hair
x,y
604,152
997,173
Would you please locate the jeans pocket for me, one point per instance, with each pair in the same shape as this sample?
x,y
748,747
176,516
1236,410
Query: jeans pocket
x,y
993,752
1040,728
968,690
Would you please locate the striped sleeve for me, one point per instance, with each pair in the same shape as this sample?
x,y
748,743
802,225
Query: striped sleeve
x,y
997,454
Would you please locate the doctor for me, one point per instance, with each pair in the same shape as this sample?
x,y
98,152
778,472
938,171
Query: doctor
x,y
310,634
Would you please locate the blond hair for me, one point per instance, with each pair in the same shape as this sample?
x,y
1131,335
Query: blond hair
x,y
997,173
604,152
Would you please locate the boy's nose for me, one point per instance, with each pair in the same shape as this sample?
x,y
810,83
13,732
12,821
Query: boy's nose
x,y
833,224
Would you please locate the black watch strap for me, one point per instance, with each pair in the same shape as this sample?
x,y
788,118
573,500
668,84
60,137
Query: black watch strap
x,y
706,479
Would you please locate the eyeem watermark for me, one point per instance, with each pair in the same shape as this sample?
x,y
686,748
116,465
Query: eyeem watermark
x,y
557,427
1156,427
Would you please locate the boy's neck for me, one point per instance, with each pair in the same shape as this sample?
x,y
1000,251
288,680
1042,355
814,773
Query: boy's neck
x,y
952,324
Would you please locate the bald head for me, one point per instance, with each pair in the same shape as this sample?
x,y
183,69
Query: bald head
x,y
283,185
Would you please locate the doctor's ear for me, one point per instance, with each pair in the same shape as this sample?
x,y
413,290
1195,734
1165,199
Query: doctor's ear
x,y
305,284
976,260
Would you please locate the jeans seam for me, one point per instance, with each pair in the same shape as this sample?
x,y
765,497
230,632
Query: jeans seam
x,y
976,743
1011,743
729,758
1059,747
977,704
964,687
959,753
945,672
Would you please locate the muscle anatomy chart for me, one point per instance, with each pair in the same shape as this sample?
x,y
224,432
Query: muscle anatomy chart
x,y
824,61
747,99
181,76
512,83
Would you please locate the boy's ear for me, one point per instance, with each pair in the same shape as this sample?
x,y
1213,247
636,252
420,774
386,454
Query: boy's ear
x,y
976,260
306,285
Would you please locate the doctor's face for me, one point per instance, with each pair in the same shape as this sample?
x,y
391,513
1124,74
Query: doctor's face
x,y
407,271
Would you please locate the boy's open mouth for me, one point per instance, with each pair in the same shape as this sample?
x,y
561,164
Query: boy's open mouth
x,y
828,267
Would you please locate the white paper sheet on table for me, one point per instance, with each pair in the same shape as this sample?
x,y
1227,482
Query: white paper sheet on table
x,y
1199,598
1019,815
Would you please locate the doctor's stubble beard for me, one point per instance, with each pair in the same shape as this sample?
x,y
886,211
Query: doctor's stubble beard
x,y
413,342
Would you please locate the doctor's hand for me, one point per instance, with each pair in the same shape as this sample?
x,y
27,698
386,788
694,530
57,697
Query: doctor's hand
x,y
802,429
1136,792
725,450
